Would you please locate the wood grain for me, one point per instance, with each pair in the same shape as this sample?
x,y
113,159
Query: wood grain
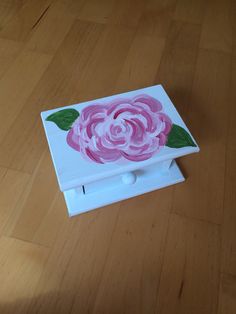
x,y
56,85
156,17
217,27
21,26
190,11
9,50
21,266
52,29
8,9
170,251
229,218
195,198
90,238
135,235
227,299
142,62
17,84
33,211
190,270
177,68
12,185
96,11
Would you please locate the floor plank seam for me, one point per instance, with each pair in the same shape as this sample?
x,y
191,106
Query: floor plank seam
x,y
107,254
14,169
227,144
228,273
197,219
225,53
164,251
186,21
26,241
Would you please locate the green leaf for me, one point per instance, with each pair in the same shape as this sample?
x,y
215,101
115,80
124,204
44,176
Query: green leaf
x,y
64,118
179,137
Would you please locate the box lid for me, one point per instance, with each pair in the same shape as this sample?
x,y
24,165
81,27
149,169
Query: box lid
x,y
97,139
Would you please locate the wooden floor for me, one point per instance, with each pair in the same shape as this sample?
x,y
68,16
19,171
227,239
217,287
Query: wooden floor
x,y
170,251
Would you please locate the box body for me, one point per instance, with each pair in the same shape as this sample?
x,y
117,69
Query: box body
x,y
116,147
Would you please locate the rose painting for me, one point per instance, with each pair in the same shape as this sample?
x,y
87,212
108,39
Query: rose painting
x,y
134,129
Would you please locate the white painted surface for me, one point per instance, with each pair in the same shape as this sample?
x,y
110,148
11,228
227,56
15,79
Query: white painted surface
x,y
147,180
72,170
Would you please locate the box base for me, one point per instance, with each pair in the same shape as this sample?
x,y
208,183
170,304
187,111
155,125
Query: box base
x,y
78,203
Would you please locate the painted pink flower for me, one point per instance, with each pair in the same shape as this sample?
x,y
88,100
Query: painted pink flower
x,y
134,129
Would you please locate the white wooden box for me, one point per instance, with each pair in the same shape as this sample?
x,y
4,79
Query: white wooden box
x,y
117,147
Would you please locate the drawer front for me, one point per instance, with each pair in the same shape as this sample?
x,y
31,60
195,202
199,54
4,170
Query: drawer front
x,y
127,178
100,194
